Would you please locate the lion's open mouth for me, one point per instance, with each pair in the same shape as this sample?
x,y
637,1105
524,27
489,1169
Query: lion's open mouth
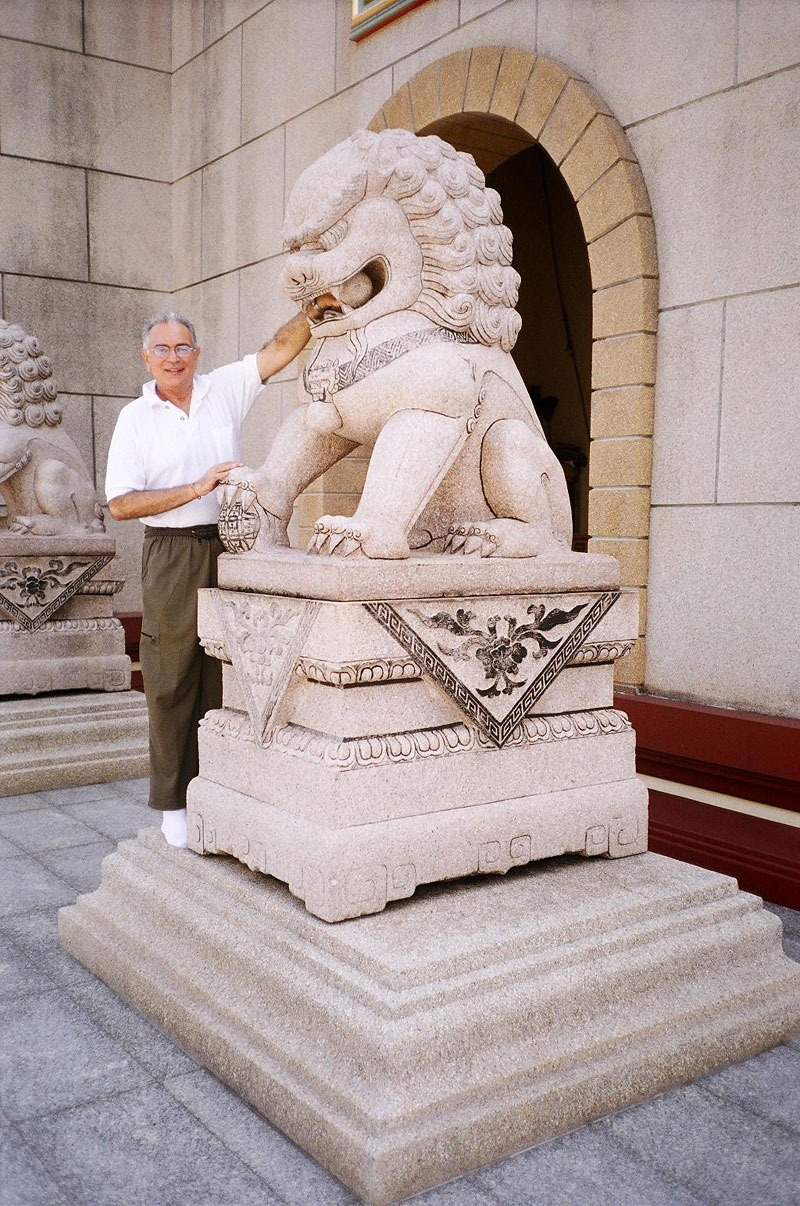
x,y
355,291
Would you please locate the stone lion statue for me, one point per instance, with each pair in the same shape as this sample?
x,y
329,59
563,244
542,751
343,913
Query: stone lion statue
x,y
42,477
404,233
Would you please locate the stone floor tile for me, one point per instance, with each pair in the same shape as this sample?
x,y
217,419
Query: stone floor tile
x,y
25,1180
158,1054
78,866
789,917
53,1056
722,1151
295,1177
25,884
36,934
45,829
116,818
586,1167
791,947
59,797
138,788
463,1192
768,1084
22,803
18,976
142,1149
8,849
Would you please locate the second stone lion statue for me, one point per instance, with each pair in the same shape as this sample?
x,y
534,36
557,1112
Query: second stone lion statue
x,y
417,366
43,479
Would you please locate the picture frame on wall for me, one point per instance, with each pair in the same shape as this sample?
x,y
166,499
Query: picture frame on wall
x,y
367,16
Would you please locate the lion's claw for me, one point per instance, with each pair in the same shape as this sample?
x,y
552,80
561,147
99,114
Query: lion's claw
x,y
470,540
335,536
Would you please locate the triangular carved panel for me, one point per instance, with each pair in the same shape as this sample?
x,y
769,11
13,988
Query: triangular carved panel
x,y
32,589
495,666
264,636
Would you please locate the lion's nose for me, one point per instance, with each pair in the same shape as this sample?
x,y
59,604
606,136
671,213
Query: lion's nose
x,y
298,272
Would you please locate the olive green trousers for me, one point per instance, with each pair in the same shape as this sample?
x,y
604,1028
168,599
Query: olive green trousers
x,y
181,683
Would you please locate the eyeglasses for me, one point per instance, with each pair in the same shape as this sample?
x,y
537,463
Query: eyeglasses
x,y
163,349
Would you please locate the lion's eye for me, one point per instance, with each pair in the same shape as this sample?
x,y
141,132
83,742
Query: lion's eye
x,y
333,235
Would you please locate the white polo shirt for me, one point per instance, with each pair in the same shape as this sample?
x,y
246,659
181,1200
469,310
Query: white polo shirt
x,y
155,445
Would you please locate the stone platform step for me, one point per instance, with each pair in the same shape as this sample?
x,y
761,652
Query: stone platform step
x,y
71,739
472,1021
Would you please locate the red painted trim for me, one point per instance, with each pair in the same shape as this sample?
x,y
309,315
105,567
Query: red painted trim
x,y
132,623
743,754
764,856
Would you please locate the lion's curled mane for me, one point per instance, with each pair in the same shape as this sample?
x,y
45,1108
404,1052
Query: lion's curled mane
x,y
468,282
27,390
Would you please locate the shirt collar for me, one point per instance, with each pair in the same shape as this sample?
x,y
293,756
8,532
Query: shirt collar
x,y
199,391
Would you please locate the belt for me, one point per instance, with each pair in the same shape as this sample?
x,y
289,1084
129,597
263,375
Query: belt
x,y
203,531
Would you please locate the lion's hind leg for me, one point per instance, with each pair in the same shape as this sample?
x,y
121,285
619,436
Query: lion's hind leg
x,y
524,485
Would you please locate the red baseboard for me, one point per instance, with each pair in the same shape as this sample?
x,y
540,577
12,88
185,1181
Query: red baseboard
x,y
742,754
762,855
133,632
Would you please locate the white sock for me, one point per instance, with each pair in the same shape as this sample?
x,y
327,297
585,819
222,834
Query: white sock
x,y
174,827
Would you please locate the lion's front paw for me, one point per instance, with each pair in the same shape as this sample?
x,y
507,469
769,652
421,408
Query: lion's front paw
x,y
335,535
470,539
21,524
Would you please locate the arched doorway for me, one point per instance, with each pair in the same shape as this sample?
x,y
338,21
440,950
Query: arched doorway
x,y
554,349
513,100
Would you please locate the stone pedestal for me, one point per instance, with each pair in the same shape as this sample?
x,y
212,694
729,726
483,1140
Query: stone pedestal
x,y
70,740
481,1017
369,743
57,630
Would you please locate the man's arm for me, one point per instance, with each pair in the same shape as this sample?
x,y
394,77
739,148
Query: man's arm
x,y
292,337
140,504
284,346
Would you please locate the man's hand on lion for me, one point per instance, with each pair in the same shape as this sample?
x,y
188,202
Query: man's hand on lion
x,y
315,310
213,476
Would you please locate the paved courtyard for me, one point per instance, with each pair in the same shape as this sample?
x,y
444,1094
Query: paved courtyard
x,y
97,1108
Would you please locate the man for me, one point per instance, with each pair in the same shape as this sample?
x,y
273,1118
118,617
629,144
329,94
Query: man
x,y
170,449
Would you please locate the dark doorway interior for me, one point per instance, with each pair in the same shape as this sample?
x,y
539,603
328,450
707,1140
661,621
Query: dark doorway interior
x,y
554,349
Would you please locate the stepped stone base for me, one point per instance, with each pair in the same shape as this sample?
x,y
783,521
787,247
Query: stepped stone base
x,y
71,740
478,1018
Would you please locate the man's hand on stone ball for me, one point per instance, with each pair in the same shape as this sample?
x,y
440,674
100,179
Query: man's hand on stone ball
x,y
216,474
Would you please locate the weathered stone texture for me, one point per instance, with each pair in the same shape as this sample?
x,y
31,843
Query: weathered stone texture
x,y
72,109
759,452
687,404
643,58
243,205
708,638
284,73
143,210
44,218
706,168
206,105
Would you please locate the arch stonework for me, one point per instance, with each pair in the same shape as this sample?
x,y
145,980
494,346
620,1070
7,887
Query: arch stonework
x,y
575,126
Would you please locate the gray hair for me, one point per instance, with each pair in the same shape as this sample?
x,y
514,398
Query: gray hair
x,y
168,316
